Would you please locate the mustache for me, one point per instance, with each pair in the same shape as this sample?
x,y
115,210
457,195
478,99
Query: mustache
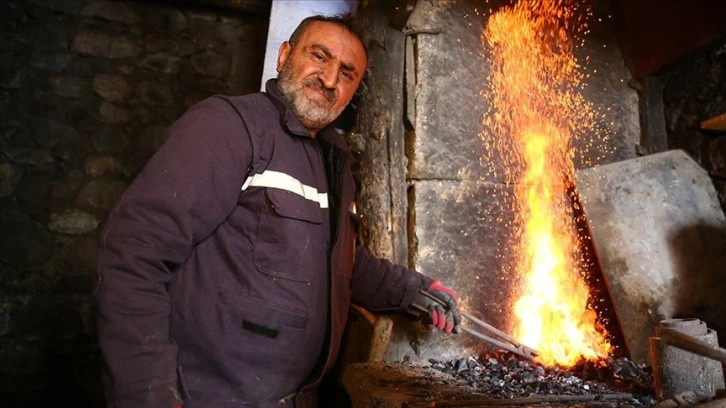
x,y
318,84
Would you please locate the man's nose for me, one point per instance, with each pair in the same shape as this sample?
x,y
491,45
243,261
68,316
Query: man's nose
x,y
329,76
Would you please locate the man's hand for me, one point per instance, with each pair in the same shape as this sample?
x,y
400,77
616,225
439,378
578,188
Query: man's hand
x,y
444,315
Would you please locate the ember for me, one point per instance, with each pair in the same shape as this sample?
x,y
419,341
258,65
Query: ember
x,y
505,376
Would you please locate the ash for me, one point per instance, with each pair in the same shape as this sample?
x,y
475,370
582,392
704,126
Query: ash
x,y
506,375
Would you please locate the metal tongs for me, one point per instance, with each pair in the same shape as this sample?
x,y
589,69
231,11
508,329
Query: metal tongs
x,y
502,340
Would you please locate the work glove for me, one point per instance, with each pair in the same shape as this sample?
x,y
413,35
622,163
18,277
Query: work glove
x,y
444,311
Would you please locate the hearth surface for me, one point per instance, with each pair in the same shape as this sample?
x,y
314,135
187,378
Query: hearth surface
x,y
617,383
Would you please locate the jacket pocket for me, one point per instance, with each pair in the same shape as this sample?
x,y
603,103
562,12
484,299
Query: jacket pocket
x,y
292,236
242,349
259,312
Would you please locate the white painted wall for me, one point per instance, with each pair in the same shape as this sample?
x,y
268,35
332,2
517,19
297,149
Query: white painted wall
x,y
285,15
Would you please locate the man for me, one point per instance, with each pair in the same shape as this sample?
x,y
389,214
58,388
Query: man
x,y
227,268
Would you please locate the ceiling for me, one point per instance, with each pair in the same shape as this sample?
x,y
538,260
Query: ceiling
x,y
656,33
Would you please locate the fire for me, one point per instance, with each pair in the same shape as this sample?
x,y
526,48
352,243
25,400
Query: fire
x,y
537,113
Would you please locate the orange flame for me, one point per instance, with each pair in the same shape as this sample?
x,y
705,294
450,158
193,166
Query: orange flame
x,y
534,92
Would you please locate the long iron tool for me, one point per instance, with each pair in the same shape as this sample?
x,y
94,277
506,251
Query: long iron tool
x,y
502,340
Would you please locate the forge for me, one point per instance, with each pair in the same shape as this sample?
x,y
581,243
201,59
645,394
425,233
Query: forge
x,y
529,148
496,380
654,367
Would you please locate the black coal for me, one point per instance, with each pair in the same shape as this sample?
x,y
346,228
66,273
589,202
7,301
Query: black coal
x,y
509,376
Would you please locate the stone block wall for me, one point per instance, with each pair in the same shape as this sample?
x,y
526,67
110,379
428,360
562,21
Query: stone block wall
x,y
459,226
87,91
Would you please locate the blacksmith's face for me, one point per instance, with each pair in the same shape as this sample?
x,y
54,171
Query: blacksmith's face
x,y
319,75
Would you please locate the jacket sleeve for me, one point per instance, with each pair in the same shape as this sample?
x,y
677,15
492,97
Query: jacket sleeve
x,y
185,191
383,286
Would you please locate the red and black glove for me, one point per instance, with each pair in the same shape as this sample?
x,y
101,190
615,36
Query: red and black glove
x,y
445,314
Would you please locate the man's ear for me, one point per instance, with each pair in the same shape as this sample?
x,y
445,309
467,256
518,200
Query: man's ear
x,y
282,54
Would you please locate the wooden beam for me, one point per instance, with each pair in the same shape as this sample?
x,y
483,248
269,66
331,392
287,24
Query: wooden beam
x,y
716,123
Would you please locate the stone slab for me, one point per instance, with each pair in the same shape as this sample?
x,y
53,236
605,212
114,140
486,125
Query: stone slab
x,y
660,236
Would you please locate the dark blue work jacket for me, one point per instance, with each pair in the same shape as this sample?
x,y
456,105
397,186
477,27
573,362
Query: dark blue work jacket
x,y
227,268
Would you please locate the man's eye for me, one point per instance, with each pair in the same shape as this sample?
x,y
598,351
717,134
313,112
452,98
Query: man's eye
x,y
318,57
346,75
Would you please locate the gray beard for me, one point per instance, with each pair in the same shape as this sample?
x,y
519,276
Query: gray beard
x,y
308,112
